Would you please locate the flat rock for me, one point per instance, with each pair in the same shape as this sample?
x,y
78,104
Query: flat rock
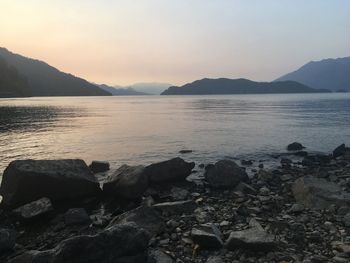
x,y
7,239
25,181
119,243
318,193
34,209
207,236
225,174
128,182
99,166
178,207
145,217
172,170
253,239
76,216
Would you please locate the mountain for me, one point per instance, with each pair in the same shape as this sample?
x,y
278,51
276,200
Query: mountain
x,y
238,86
153,88
45,80
333,74
120,91
11,83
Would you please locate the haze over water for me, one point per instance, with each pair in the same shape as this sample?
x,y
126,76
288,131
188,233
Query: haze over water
x,y
142,130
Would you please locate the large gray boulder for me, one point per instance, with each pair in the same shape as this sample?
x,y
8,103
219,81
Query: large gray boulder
x,y
120,243
225,174
25,181
172,170
128,182
317,193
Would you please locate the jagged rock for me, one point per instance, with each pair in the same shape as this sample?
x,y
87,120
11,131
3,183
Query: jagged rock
x,y
207,236
318,193
119,243
99,167
7,239
34,209
178,207
25,181
145,217
225,174
76,216
128,182
169,171
295,146
158,256
253,238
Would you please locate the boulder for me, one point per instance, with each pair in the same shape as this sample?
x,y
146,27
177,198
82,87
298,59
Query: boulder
x,y
128,182
99,166
145,217
207,236
25,181
158,256
172,170
120,243
252,238
319,193
76,216
177,207
295,146
340,151
225,174
7,239
34,209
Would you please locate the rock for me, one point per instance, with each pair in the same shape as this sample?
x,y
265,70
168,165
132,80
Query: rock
x,y
253,238
25,181
318,193
158,256
178,207
76,216
339,151
225,174
185,151
120,243
207,236
246,162
286,161
295,146
169,171
128,182
7,239
179,194
214,259
34,209
99,167
296,208
145,217
346,220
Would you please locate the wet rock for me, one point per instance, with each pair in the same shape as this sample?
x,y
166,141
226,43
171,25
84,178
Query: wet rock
x,y
318,193
207,236
295,146
253,238
178,207
76,216
25,181
34,209
99,166
7,239
145,217
169,171
128,182
158,256
225,174
120,243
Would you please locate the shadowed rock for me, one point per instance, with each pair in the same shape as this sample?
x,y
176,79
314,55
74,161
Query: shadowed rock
x,y
207,236
99,166
34,209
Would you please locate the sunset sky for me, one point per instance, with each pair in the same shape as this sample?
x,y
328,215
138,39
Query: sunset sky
x,y
175,41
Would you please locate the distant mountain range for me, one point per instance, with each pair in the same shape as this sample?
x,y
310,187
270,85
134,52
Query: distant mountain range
x,y
332,74
45,80
116,91
238,86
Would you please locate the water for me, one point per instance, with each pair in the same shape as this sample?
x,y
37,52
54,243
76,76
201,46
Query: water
x,y
146,129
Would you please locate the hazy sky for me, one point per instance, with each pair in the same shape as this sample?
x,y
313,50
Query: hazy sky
x,y
176,41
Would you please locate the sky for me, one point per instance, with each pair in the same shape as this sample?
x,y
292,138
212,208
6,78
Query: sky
x,y
176,41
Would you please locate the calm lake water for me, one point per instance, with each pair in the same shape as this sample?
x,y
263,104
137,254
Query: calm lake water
x,y
146,129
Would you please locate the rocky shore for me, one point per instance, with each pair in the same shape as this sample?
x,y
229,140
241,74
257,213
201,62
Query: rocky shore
x,y
56,211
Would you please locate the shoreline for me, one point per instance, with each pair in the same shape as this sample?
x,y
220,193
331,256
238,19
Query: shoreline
x,y
298,211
